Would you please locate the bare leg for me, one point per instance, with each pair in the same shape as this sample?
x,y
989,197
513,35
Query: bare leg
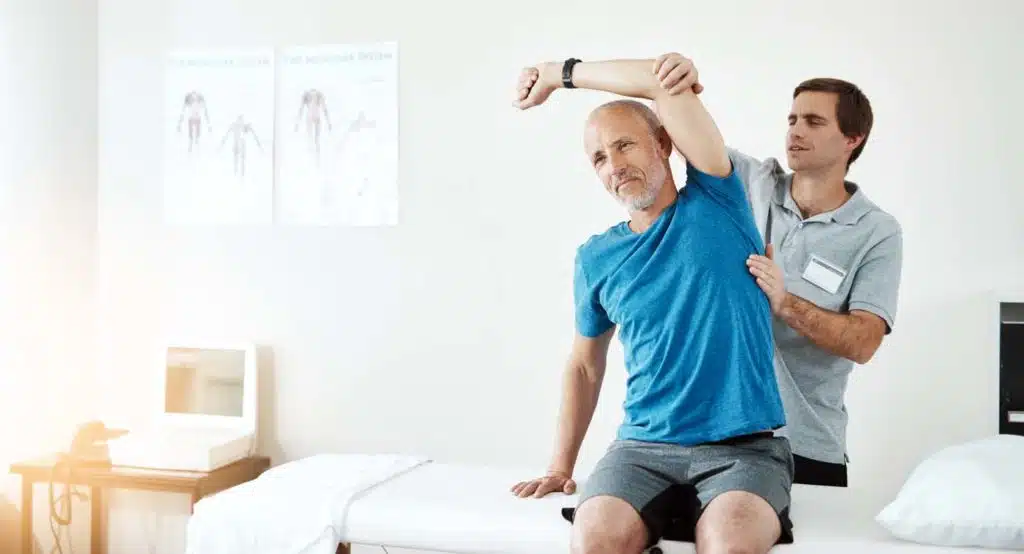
x,y
607,525
737,522
316,139
193,133
311,133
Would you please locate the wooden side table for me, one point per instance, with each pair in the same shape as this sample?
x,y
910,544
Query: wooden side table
x,y
195,484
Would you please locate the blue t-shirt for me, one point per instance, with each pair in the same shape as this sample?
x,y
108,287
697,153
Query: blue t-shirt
x,y
694,325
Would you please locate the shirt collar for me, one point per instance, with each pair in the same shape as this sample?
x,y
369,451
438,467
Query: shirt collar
x,y
856,207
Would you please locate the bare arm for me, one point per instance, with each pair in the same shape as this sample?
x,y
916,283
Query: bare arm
x,y
581,387
327,115
687,122
302,109
206,113
255,138
855,336
181,115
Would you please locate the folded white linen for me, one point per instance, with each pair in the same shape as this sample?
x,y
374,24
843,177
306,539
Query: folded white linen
x,y
295,508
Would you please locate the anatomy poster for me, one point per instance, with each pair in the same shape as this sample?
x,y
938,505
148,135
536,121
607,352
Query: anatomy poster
x,y
219,138
337,110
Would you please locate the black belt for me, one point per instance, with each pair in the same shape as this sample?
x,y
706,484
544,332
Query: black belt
x,y
744,438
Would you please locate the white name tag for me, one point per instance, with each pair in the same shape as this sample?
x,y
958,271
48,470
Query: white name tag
x,y
824,274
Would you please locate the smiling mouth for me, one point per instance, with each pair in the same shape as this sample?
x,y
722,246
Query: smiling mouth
x,y
796,149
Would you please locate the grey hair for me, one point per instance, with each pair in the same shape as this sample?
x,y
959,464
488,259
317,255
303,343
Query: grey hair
x,y
637,107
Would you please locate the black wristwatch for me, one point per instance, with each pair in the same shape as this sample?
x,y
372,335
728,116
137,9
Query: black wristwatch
x,y
567,72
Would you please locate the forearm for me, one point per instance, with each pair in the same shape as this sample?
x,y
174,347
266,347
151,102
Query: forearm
x,y
846,335
690,127
632,78
580,392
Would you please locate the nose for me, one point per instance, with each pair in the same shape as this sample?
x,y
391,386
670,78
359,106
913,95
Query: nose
x,y
797,130
617,162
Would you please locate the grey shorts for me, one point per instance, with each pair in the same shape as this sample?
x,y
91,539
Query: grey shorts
x,y
670,486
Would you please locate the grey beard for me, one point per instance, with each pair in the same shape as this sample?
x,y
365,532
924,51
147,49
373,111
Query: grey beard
x,y
641,201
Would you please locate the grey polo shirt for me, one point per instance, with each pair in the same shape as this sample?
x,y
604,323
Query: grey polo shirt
x,y
846,259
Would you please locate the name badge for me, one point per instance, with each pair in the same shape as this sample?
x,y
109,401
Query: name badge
x,y
823,274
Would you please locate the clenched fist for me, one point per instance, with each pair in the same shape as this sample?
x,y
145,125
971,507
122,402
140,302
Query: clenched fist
x,y
536,84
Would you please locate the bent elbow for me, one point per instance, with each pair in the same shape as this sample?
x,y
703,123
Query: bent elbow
x,y
864,354
720,168
716,166
862,358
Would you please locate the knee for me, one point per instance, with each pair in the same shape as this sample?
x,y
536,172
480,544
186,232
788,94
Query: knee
x,y
605,525
725,546
598,539
738,523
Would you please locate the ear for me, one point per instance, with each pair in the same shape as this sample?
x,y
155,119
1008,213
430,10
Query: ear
x,y
853,142
665,145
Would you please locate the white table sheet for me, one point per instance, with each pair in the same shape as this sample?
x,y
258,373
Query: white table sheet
x,y
308,506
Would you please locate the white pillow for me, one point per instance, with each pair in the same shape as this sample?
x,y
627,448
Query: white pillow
x,y
971,494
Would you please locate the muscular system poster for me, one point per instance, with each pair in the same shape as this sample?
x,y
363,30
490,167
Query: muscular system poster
x,y
337,110
219,137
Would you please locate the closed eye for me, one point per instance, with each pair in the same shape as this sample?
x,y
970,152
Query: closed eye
x,y
813,120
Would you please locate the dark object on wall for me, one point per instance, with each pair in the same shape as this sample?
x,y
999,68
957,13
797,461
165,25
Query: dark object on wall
x,y
1011,377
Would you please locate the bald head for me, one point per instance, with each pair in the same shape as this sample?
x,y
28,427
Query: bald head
x,y
628,107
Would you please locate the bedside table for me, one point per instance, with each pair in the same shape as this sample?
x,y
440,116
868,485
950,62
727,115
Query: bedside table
x,y
195,484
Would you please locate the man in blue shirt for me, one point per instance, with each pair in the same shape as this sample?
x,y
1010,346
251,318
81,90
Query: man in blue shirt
x,y
696,458
833,278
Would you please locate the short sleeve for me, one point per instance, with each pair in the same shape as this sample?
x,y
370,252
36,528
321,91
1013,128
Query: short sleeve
x,y
728,189
876,284
591,318
760,178
746,167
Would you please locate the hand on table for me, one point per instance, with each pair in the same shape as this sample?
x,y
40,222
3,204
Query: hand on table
x,y
538,488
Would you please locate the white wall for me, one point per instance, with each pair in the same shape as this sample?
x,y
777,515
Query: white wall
x,y
446,335
47,232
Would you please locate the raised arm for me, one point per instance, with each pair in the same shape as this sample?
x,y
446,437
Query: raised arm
x,y
690,126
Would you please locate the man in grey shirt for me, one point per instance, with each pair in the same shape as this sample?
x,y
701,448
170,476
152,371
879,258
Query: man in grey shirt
x,y
833,265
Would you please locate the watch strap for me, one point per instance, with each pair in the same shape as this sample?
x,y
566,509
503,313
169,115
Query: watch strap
x,y
567,72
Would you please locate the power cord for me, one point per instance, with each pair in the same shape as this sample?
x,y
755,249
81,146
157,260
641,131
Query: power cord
x,y
60,506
